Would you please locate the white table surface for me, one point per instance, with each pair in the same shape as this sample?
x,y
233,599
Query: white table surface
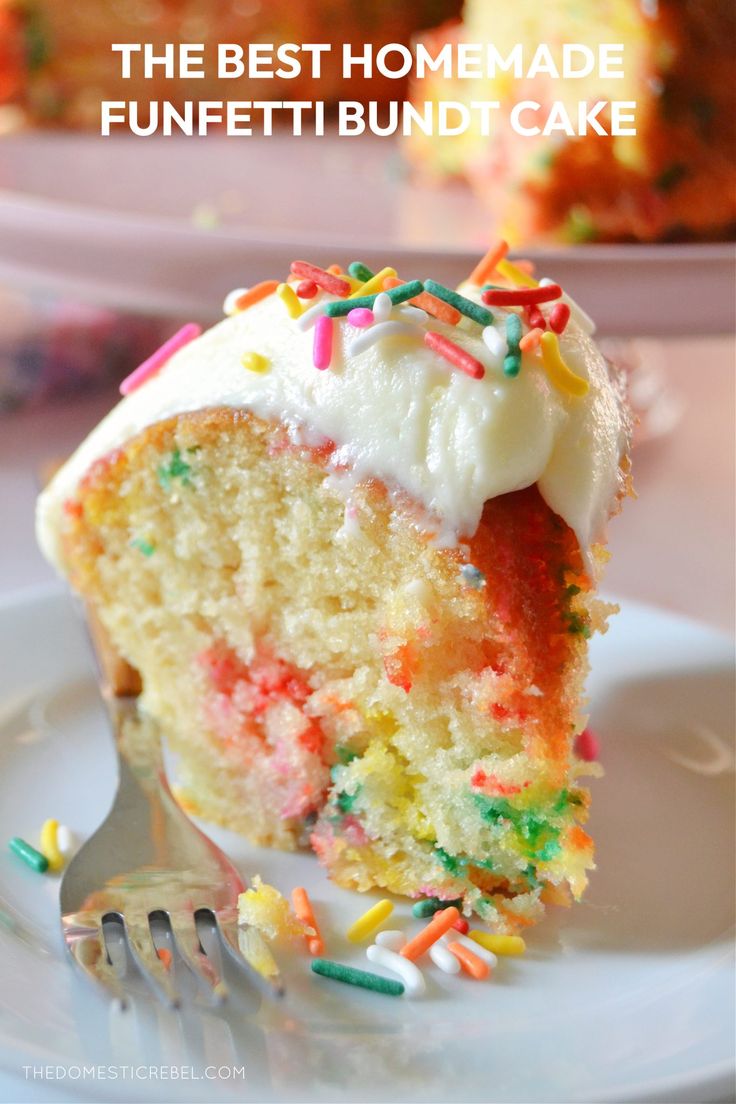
x,y
673,546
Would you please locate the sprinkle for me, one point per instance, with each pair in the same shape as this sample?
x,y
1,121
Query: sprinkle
x,y
307,320
50,845
165,955
411,975
322,348
437,926
520,297
488,264
30,856
454,354
560,375
156,362
255,362
429,906
394,940
494,342
326,280
559,316
288,297
361,317
306,289
587,746
65,840
376,333
535,318
530,341
469,961
477,948
499,944
461,925
144,547
512,360
473,576
305,912
342,307
459,302
230,306
515,275
365,924
256,293
581,317
360,271
443,312
375,283
338,972
334,270
413,314
382,306
444,959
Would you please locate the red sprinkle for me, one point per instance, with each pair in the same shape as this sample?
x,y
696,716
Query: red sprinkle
x,y
333,284
521,297
586,746
559,316
454,354
307,289
461,925
535,318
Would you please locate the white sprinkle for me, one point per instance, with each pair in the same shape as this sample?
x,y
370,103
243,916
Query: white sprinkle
x,y
494,342
65,840
382,307
306,321
229,306
481,952
411,975
444,959
375,333
412,314
393,940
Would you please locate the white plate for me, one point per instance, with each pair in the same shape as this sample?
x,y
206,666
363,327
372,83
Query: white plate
x,y
113,220
628,997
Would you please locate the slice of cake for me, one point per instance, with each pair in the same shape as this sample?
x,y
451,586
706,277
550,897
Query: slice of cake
x,y
350,539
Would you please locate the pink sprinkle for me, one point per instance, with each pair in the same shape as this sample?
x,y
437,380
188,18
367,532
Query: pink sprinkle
x,y
322,350
586,746
559,316
361,316
156,362
307,289
461,925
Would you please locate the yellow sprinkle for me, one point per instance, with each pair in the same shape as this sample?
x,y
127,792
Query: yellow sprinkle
x,y
559,373
375,284
254,362
290,299
49,845
499,944
369,920
515,275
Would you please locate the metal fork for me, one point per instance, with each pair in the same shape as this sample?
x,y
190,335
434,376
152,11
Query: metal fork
x,y
147,858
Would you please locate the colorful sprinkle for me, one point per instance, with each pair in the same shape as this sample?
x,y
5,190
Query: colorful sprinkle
x,y
50,845
443,312
30,856
530,341
325,280
306,289
429,906
360,271
494,342
473,576
442,958
559,316
477,948
488,264
375,284
440,923
361,317
515,275
382,306
521,297
256,293
166,957
370,920
255,362
155,363
471,963
305,912
65,840
512,360
289,298
456,356
466,306
334,270
350,976
322,348
535,318
587,746
411,975
461,926
559,374
308,319
230,306
144,547
499,944
379,331
394,940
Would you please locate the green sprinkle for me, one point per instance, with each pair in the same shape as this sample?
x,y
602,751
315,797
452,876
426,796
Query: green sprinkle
x,y
345,801
550,849
348,974
451,863
359,271
177,468
531,876
341,307
143,546
430,905
512,362
466,306
345,754
405,291
30,856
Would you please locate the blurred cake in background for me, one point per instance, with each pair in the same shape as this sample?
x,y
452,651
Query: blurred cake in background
x,y
676,180
70,68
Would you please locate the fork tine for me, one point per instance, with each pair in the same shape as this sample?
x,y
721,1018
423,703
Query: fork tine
x,y
228,927
86,945
145,956
190,949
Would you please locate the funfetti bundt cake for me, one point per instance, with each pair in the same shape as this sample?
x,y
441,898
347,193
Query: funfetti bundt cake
x,y
350,539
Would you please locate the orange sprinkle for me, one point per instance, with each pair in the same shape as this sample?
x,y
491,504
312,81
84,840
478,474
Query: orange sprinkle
x,y
255,294
440,923
334,270
531,340
579,839
426,301
303,909
471,963
487,264
165,956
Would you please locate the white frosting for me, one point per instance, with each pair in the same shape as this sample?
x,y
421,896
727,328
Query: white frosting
x,y
396,411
